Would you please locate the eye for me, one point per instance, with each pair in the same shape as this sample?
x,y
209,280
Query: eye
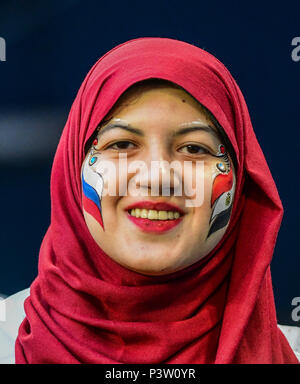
x,y
193,149
119,145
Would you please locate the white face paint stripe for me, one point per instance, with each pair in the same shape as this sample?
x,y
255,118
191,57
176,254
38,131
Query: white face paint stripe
x,y
92,188
92,178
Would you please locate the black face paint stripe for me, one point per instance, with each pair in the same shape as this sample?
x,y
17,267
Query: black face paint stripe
x,y
221,220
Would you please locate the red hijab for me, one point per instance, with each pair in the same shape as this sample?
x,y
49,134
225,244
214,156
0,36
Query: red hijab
x,y
85,308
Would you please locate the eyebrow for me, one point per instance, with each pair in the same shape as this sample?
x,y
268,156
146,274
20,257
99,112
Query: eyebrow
x,y
206,128
127,127
179,132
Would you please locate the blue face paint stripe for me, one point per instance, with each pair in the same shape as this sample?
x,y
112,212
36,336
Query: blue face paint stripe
x,y
91,193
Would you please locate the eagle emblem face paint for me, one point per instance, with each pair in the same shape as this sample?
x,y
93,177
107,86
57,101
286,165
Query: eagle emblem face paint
x,y
92,187
223,189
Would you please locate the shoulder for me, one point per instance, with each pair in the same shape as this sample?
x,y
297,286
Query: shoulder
x,y
11,315
293,337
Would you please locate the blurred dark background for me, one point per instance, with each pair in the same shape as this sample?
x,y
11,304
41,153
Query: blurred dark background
x,y
51,45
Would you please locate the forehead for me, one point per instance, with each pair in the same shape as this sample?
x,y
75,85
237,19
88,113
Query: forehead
x,y
161,101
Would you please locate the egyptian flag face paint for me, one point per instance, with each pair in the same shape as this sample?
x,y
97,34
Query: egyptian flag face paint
x,y
222,192
92,187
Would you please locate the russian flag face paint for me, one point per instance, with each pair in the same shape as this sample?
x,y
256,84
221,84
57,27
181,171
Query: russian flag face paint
x,y
92,187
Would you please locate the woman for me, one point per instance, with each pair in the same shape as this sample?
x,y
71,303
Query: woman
x,y
137,269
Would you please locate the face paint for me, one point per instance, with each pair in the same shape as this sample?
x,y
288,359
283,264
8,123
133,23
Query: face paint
x,y
222,192
92,186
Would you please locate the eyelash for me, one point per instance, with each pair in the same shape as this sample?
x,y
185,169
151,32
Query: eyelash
x,y
118,142
184,146
195,145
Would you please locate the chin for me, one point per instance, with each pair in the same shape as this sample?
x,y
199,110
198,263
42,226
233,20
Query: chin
x,y
154,272
152,268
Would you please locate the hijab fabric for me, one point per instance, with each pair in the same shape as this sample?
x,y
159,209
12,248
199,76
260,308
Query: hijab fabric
x,y
85,308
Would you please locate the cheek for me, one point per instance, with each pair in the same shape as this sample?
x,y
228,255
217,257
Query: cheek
x,y
204,185
214,186
201,214
92,188
221,184
99,177
115,180
209,191
223,188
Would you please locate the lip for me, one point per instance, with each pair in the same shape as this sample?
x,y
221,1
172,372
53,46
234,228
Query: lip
x,y
155,205
154,226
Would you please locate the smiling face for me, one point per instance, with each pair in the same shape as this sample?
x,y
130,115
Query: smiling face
x,y
152,229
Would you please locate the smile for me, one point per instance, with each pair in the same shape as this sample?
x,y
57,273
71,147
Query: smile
x,y
148,219
152,214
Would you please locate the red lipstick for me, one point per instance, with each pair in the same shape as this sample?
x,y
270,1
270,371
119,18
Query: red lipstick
x,y
158,206
154,226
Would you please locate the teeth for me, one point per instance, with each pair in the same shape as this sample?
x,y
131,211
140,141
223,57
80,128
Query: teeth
x,y
154,215
144,214
163,215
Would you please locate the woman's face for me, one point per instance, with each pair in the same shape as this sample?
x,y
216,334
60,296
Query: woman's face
x,y
145,221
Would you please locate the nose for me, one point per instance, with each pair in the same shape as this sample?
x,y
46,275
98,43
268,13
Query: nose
x,y
159,175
